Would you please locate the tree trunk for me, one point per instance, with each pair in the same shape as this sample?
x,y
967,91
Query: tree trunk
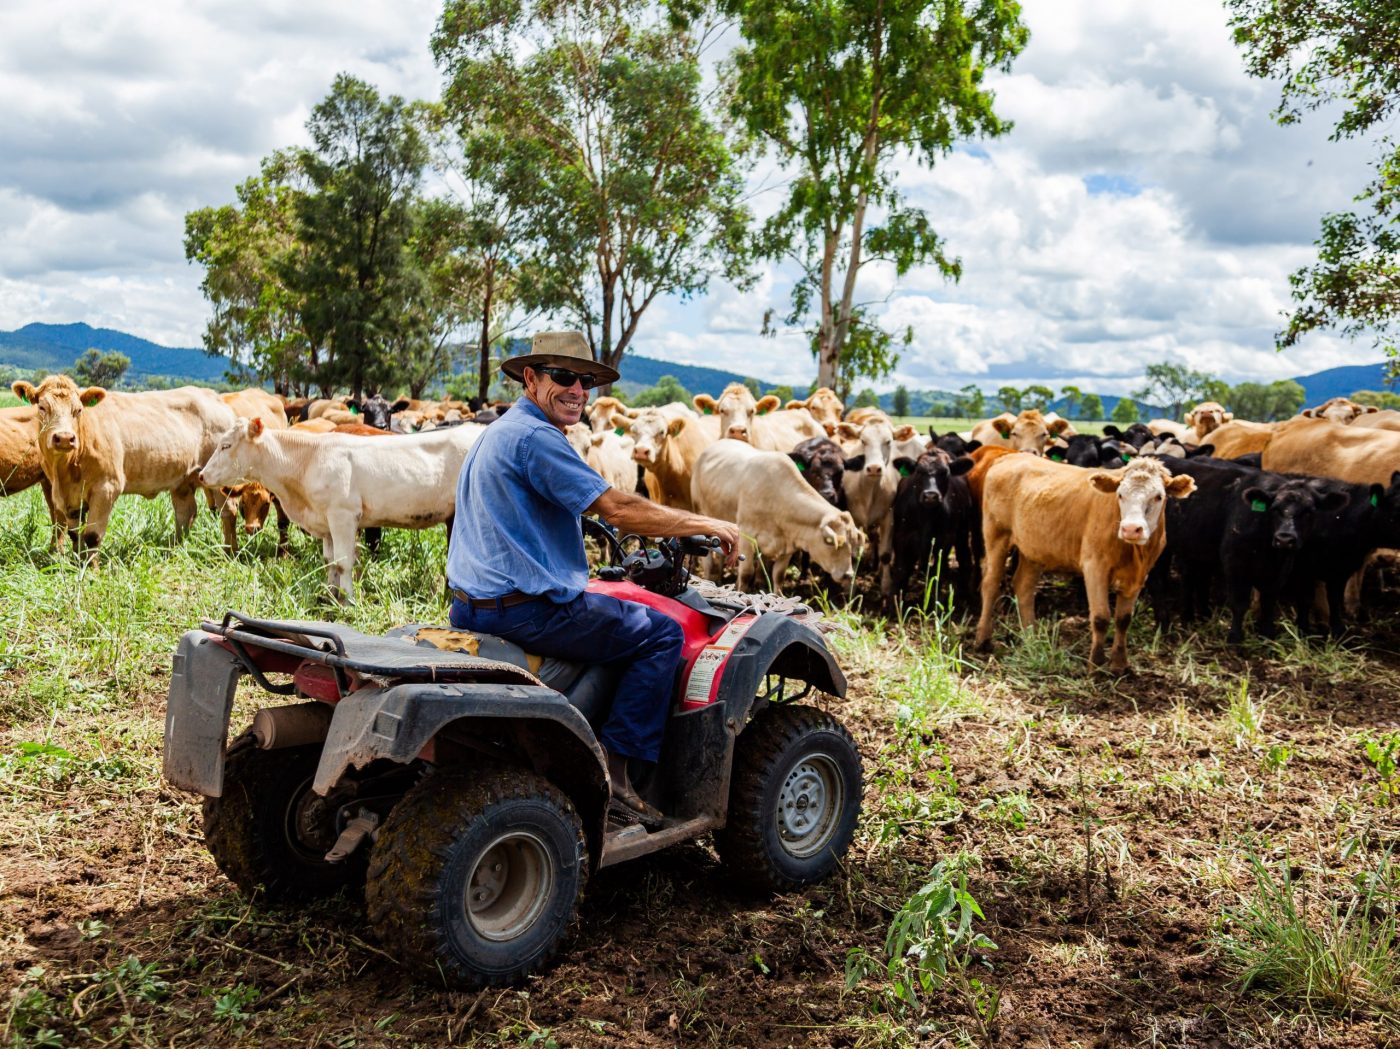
x,y
483,385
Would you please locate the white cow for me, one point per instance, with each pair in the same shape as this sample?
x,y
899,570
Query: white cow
x,y
333,485
745,419
609,453
777,511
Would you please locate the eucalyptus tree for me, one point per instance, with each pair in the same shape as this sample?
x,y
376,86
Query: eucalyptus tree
x,y
844,93
589,116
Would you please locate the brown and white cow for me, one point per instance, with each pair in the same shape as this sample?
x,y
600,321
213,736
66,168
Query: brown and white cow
x,y
1060,520
743,418
778,513
95,445
667,446
1339,410
1027,432
252,501
1205,418
333,485
870,479
823,405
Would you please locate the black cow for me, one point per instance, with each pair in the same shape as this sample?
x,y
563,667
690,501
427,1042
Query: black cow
x,y
1137,435
1341,543
934,514
823,464
1088,450
1248,525
374,411
952,443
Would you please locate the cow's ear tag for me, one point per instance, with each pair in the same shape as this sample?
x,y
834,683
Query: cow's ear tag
x,y
354,409
1056,457
803,468
618,430
709,411
1258,505
904,471
1127,457
1375,499
90,401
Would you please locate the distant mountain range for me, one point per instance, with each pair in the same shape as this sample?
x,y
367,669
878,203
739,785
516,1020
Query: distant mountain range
x,y
53,347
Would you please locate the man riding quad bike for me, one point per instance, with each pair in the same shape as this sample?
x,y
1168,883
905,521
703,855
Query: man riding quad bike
x,y
460,780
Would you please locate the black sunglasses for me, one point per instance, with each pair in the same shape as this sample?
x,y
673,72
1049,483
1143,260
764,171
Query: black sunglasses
x,y
564,377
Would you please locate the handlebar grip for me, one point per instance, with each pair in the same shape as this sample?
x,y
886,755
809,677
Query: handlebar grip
x,y
699,544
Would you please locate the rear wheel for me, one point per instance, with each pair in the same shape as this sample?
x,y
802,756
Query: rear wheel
x,y
270,831
477,877
794,799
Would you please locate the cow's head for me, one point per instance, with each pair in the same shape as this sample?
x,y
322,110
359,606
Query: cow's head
x,y
1208,416
840,546
1387,506
736,409
821,463
1339,410
1292,507
232,459
580,438
825,407
952,443
930,475
1143,487
604,410
876,437
375,411
1028,432
253,502
650,430
58,403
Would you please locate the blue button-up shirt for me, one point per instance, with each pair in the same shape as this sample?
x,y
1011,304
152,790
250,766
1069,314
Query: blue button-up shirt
x,y
519,498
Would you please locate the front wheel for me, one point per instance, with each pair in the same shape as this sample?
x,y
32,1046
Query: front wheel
x,y
477,877
793,801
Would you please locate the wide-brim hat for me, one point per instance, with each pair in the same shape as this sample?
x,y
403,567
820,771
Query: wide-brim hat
x,y
559,349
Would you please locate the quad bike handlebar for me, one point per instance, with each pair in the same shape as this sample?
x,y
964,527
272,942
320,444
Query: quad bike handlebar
x,y
662,568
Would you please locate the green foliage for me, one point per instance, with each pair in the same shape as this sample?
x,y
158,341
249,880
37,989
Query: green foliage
x,y
1091,407
838,94
972,402
95,368
667,389
1334,955
867,398
589,120
783,393
900,403
1073,396
231,1004
1174,385
1010,398
1037,397
1262,402
1125,411
1384,756
1342,56
1378,398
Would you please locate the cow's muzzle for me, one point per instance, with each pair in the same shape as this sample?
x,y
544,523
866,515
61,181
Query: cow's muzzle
x,y
1132,533
872,470
738,433
63,440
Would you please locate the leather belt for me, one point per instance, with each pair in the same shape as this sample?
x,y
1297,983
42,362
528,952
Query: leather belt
x,y
510,600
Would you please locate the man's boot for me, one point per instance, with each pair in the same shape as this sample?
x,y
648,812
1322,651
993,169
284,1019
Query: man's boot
x,y
626,804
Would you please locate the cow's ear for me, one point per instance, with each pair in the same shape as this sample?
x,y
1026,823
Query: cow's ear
x,y
704,404
401,404
1105,482
961,465
971,446
830,429
1200,449
932,434
1308,413
255,428
1332,500
1395,478
91,396
1226,417
792,406
622,424
1191,419
830,536
677,425
1058,426
1259,499
848,431
1003,426
855,463
24,391
1112,431
904,465
767,404
905,433
798,461
1180,486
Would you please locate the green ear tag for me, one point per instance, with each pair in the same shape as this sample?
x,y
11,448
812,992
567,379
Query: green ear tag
x,y
801,465
1258,505
1127,457
709,411
1057,457
354,409
1375,500
904,471
618,430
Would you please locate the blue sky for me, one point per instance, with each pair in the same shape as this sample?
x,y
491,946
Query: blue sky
x,y
1145,207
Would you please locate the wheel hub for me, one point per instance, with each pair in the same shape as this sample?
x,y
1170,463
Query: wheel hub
x,y
509,886
808,805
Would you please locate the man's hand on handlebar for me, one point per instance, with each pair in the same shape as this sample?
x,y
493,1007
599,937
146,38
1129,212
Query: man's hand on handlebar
x,y
728,536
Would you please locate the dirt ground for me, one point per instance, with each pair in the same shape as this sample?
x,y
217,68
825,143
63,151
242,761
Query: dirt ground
x,y
1105,824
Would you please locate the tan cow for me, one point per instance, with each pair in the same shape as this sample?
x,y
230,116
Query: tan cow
x,y
1324,449
1339,410
1385,419
823,405
315,426
1060,519
20,465
1027,432
668,447
1240,437
253,501
608,453
1205,418
604,410
745,419
778,513
96,445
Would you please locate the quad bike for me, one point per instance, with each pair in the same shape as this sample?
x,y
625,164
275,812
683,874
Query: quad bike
x,y
459,781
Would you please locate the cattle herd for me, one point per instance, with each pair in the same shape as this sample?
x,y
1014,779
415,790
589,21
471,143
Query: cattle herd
x,y
1265,514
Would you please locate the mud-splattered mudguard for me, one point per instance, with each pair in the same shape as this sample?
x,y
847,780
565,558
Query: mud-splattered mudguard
x,y
776,644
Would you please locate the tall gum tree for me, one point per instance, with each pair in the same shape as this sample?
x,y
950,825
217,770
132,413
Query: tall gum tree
x,y
841,91
592,113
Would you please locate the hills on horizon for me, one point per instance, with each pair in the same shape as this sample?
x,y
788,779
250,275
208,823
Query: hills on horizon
x,y
53,347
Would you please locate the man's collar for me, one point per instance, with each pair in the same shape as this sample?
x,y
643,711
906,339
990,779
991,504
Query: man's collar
x,y
530,408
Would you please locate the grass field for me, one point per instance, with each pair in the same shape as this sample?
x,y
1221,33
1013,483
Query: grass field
x,y
1198,854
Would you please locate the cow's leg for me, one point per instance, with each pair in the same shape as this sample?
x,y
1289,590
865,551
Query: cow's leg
x,y
344,528
1096,589
283,547
96,511
186,506
1122,620
1024,584
997,546
228,522
55,517
1159,589
1336,604
1240,590
780,567
748,567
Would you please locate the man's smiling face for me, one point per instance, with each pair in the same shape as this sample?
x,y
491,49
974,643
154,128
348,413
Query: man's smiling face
x,y
562,405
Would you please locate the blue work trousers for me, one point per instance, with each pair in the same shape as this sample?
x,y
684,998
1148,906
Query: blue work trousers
x,y
594,628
